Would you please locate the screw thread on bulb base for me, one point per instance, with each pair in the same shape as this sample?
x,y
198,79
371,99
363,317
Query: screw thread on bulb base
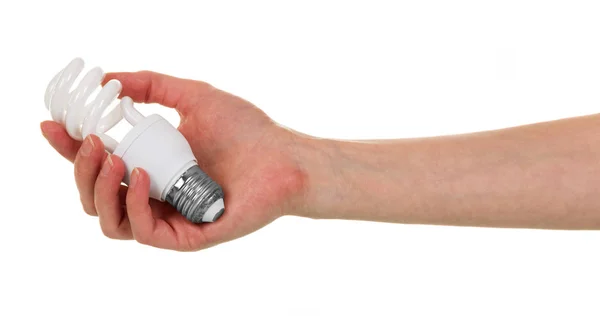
x,y
194,193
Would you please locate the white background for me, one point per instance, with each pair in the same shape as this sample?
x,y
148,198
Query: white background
x,y
344,69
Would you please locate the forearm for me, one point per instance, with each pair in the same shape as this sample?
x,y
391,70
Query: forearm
x,y
545,175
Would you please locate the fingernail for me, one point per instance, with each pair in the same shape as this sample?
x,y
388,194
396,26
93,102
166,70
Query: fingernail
x,y
87,147
134,177
107,166
43,132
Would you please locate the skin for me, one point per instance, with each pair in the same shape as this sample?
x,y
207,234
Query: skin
x,y
543,175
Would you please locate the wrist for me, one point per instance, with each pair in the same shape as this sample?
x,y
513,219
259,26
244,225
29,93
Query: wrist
x,y
349,179
315,160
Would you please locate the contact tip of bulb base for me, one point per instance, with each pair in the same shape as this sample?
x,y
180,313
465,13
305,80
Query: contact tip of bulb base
x,y
197,197
214,211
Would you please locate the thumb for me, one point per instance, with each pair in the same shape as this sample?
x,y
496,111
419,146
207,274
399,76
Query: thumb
x,y
152,87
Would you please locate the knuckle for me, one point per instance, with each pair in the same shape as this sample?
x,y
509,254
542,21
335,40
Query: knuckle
x,y
145,73
82,169
78,169
110,229
110,233
89,209
192,242
143,239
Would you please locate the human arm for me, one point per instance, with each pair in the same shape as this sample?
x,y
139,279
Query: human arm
x,y
543,175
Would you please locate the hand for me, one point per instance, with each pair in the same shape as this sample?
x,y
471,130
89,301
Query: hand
x,y
235,143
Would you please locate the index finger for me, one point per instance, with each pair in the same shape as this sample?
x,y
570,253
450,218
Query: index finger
x,y
153,87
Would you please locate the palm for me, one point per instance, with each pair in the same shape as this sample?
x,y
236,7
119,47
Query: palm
x,y
242,150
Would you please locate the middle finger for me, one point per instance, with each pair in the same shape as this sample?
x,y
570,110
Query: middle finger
x,y
87,166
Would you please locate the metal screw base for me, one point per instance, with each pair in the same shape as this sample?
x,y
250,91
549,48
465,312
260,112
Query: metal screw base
x,y
194,193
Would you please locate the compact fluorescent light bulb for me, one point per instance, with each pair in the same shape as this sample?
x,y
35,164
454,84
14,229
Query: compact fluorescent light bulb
x,y
152,144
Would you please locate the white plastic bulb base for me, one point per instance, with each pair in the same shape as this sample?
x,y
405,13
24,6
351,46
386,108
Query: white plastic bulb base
x,y
163,152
